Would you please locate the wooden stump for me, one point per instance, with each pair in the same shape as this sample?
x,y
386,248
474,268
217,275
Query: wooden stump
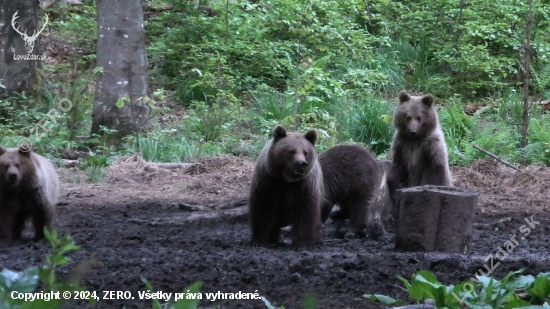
x,y
435,218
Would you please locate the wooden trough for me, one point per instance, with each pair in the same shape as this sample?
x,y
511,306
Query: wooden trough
x,y
435,218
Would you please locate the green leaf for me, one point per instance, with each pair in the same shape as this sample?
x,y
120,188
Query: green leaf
x,y
540,289
60,260
489,291
510,274
97,70
516,303
267,303
520,282
407,284
23,282
421,288
428,276
149,286
384,299
189,303
120,102
310,302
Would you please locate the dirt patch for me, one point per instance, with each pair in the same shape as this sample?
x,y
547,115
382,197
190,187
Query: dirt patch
x,y
156,224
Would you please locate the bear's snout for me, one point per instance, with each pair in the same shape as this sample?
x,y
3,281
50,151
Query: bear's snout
x,y
12,175
414,126
301,167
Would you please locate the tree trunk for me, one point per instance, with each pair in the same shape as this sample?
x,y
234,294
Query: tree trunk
x,y
122,56
526,76
18,75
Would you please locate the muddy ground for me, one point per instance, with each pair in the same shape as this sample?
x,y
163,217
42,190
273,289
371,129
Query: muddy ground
x,y
173,228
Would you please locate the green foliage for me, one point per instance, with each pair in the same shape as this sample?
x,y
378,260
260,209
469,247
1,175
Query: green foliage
x,y
95,168
214,116
177,304
272,105
367,120
171,145
482,292
27,281
309,302
457,128
77,25
538,149
56,257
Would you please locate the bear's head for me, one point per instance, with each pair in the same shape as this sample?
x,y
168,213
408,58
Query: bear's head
x,y
15,165
415,117
291,155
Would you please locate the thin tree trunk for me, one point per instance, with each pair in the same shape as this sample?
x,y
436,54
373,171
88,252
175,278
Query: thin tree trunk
x,y
296,87
526,76
122,56
18,74
459,24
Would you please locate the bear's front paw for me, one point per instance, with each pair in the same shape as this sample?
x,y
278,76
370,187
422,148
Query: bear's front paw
x,y
376,230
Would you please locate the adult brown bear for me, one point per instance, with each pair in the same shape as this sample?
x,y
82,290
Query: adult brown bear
x,y
418,151
29,188
287,189
352,176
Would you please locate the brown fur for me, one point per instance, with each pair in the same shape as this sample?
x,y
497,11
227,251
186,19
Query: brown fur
x,y
418,151
286,189
28,189
352,175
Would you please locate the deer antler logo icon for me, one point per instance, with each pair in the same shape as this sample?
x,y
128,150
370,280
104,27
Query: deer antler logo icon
x,y
29,40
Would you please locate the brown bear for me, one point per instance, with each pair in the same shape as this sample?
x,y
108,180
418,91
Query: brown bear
x,y
287,189
352,176
418,150
29,188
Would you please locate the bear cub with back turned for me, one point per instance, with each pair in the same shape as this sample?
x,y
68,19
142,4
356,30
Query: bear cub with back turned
x,y
29,188
418,150
352,176
287,189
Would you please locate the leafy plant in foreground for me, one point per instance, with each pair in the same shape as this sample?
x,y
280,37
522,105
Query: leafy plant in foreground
x,y
309,302
180,303
27,280
482,292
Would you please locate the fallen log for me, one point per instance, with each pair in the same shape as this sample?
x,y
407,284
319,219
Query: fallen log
x,y
499,159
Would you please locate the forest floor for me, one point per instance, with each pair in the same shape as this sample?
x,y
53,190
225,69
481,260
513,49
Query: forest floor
x,y
174,227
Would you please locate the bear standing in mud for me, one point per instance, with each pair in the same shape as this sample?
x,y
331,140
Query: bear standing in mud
x,y
418,150
352,176
287,189
29,188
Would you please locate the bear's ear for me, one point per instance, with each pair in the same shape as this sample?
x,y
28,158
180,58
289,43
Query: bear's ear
x,y
403,96
428,100
279,132
2,150
311,136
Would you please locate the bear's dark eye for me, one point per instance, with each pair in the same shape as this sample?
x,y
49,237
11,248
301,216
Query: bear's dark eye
x,y
17,165
409,118
292,152
418,118
305,153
